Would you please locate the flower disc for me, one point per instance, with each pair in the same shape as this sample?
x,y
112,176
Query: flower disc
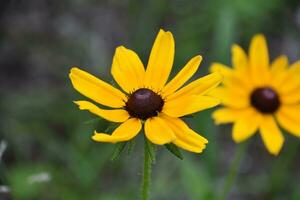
x,y
144,103
265,100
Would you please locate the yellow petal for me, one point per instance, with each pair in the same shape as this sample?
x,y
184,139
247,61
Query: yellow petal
x,y
124,132
279,65
158,132
291,97
96,89
196,104
239,81
238,78
230,97
244,128
239,57
127,69
117,115
259,59
279,71
227,115
186,138
271,135
200,103
185,74
160,61
199,86
258,52
223,69
173,106
295,68
288,84
288,118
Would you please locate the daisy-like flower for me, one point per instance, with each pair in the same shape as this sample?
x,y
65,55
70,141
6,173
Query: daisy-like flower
x,y
146,99
257,95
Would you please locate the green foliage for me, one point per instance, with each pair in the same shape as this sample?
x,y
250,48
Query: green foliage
x,y
174,150
119,147
151,149
131,145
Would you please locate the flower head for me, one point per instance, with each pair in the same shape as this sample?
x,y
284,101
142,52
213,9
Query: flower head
x,y
147,99
256,95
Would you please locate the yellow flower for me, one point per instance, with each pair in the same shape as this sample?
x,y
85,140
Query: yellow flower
x,y
147,99
256,95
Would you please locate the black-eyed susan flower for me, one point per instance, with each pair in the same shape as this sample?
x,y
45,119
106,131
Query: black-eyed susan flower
x,y
147,99
257,95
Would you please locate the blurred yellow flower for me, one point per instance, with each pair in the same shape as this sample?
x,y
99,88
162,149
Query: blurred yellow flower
x,y
257,95
147,99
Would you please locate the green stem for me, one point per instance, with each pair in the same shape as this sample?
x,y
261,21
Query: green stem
x,y
233,171
147,173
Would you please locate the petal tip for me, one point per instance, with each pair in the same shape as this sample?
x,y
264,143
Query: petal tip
x,y
198,58
94,137
201,149
119,48
219,76
79,104
205,141
170,34
98,137
161,32
259,35
259,38
76,102
236,139
216,120
74,69
234,47
212,68
165,33
215,69
274,152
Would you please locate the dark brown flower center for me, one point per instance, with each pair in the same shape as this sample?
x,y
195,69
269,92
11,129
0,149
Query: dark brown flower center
x,y
265,100
144,103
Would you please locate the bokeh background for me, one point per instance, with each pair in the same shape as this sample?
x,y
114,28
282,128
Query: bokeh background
x,y
49,154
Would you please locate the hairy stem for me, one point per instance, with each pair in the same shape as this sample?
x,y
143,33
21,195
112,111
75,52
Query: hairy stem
x,y
146,173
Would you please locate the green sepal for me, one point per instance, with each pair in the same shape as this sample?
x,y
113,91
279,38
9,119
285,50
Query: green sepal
x,y
150,148
174,150
189,116
119,147
110,128
131,145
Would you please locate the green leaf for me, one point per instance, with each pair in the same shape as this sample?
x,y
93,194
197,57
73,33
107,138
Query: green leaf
x,y
131,146
174,150
119,147
150,148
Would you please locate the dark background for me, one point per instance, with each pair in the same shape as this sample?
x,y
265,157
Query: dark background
x,y
49,152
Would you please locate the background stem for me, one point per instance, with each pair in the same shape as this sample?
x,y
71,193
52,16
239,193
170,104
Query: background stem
x,y
233,170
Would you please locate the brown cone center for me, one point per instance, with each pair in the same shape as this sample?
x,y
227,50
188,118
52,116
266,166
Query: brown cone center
x,y
265,100
144,103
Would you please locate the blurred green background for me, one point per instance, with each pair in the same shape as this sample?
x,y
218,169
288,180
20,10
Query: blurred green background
x,y
49,152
